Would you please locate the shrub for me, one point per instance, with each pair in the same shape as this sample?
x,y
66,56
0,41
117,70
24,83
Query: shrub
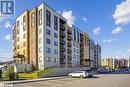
x,y
12,76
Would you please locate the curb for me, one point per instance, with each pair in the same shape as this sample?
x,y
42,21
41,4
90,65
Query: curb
x,y
34,80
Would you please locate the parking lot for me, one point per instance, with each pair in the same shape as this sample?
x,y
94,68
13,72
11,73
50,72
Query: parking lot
x,y
101,80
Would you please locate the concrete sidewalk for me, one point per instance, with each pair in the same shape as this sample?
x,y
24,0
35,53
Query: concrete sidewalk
x,y
34,80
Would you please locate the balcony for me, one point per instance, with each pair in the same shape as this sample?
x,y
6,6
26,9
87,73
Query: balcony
x,y
69,38
81,42
69,51
81,38
69,58
62,34
62,49
62,26
69,44
62,42
69,31
62,56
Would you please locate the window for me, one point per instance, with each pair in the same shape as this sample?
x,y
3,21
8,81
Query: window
x,y
74,34
33,51
40,31
48,50
49,59
48,32
78,36
17,23
55,22
32,20
40,50
55,43
40,17
33,33
48,18
18,39
55,60
56,52
24,52
24,36
18,32
40,59
48,41
55,35
24,44
40,40
33,41
24,23
18,46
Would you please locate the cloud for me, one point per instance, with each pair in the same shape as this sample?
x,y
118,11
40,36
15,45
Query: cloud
x,y
122,56
8,25
117,30
8,37
97,31
85,19
110,40
128,50
3,17
69,16
122,13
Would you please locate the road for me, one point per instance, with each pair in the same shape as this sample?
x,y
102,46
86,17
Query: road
x,y
101,80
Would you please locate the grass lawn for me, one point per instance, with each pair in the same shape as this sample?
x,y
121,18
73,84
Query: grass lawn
x,y
29,75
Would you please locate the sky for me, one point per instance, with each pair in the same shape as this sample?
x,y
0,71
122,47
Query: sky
x,y
106,21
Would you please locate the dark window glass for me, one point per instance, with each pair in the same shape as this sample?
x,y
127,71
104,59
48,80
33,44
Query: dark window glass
x,y
55,43
48,41
74,34
55,35
48,32
55,23
48,18
48,50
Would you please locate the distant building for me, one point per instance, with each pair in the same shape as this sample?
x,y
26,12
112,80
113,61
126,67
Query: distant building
x,y
108,62
115,63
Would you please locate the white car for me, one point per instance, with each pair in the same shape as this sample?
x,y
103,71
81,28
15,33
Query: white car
x,y
81,74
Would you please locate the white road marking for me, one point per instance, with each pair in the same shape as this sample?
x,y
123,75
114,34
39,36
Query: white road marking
x,y
52,84
24,85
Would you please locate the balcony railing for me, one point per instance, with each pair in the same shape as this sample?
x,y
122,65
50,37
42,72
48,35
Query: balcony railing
x,y
69,31
69,38
62,34
69,44
62,26
62,49
62,42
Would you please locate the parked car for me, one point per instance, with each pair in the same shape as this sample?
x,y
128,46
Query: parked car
x,y
81,74
104,70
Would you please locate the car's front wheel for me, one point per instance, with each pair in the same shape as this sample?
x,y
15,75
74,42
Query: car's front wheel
x,y
81,76
70,76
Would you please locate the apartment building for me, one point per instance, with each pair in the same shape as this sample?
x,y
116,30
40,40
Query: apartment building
x,y
91,52
69,47
21,39
108,62
51,38
43,38
114,63
33,51
97,55
84,50
75,46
